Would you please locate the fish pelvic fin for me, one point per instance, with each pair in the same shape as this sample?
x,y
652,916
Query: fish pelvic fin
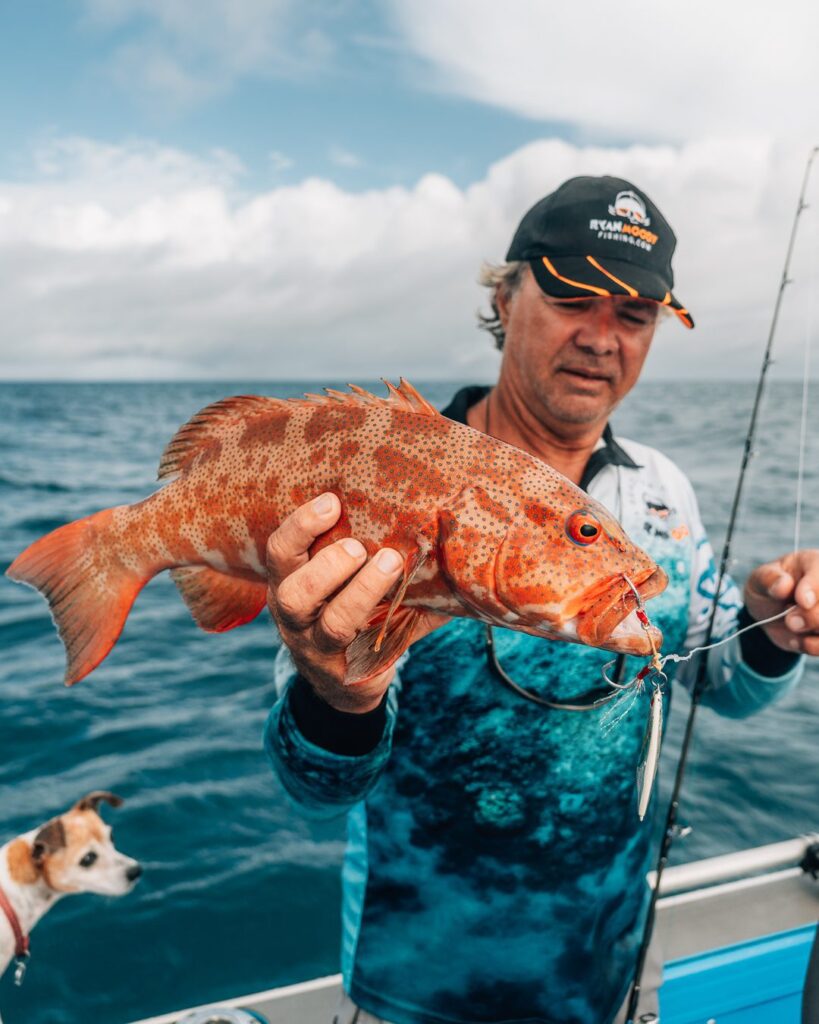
x,y
201,433
412,563
371,652
89,590
389,632
219,602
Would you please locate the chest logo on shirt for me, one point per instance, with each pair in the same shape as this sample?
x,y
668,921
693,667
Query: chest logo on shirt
x,y
662,521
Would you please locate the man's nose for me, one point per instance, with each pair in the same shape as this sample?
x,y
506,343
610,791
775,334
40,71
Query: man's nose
x,y
598,333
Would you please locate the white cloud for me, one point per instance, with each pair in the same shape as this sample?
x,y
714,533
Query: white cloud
x,y
632,70
141,260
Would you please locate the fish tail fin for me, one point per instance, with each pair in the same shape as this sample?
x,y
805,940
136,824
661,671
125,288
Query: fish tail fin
x,y
89,589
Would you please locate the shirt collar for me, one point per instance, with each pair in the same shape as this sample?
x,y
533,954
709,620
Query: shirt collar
x,y
607,453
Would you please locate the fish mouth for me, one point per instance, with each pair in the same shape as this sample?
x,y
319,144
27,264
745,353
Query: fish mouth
x,y
612,623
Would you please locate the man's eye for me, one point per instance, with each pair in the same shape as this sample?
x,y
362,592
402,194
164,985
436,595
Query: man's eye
x,y
88,859
636,319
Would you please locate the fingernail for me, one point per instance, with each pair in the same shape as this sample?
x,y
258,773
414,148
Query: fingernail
x,y
808,598
796,623
387,560
793,644
323,504
353,547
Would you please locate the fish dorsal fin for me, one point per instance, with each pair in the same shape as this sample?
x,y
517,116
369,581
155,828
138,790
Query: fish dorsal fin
x,y
403,397
406,394
191,438
219,602
201,429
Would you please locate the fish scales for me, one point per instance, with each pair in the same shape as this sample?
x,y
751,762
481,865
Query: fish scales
x,y
485,529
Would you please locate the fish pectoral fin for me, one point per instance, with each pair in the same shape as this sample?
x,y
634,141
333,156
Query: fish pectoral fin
x,y
219,602
380,645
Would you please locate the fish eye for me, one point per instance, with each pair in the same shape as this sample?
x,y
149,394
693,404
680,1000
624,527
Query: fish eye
x,y
583,528
88,859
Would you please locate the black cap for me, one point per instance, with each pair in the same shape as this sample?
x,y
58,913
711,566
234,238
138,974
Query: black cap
x,y
599,236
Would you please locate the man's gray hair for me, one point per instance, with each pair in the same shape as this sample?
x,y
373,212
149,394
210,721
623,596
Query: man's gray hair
x,y
508,277
505,276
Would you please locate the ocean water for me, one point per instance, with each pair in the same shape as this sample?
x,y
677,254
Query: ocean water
x,y
240,893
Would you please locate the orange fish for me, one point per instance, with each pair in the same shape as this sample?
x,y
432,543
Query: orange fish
x,y
486,530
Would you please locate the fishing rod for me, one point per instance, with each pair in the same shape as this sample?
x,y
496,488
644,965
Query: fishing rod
x,y
671,828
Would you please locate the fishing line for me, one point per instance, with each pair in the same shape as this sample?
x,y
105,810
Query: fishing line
x,y
700,683
678,658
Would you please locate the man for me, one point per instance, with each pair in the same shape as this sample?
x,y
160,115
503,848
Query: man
x,y
496,862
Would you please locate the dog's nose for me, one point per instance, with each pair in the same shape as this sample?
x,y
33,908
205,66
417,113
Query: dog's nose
x,y
133,872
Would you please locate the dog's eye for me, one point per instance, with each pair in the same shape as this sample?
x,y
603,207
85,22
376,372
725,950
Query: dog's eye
x,y
88,859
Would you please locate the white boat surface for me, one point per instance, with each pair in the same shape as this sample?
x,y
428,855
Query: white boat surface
x,y
736,933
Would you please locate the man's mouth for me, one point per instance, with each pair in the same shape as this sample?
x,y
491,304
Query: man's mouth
x,y
585,373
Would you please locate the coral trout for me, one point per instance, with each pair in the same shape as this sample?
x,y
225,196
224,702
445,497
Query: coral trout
x,y
486,530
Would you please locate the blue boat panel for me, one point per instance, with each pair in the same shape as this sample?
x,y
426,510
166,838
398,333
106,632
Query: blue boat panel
x,y
755,982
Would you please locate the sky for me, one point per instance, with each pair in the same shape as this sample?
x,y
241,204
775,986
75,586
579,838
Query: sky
x,y
277,190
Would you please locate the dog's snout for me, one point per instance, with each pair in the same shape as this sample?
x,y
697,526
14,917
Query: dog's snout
x,y
133,872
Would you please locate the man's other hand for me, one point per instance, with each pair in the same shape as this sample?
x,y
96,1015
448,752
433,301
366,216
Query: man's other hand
x,y
775,586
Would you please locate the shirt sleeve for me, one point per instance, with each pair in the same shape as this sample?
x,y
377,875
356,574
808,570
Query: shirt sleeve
x,y
734,688
321,782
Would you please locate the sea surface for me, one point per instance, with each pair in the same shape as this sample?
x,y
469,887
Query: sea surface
x,y
240,893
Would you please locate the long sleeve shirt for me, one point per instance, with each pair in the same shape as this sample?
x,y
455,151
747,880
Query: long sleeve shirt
x,y
495,864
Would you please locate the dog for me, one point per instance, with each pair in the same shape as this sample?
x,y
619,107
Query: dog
x,y
70,854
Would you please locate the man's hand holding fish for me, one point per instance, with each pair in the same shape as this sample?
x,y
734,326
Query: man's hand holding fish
x,y
319,613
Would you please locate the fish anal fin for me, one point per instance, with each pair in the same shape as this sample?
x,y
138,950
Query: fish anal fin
x,y
364,661
219,602
201,432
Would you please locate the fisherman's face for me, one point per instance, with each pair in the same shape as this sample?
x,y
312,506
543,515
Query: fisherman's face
x,y
577,359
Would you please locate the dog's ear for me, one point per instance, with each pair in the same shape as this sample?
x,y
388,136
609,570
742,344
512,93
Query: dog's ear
x,y
93,801
49,839
20,861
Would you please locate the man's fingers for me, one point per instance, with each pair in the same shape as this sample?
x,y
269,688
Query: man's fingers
x,y
352,609
771,581
301,595
287,546
806,591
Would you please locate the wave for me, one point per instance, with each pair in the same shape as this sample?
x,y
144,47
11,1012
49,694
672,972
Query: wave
x,y
46,486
